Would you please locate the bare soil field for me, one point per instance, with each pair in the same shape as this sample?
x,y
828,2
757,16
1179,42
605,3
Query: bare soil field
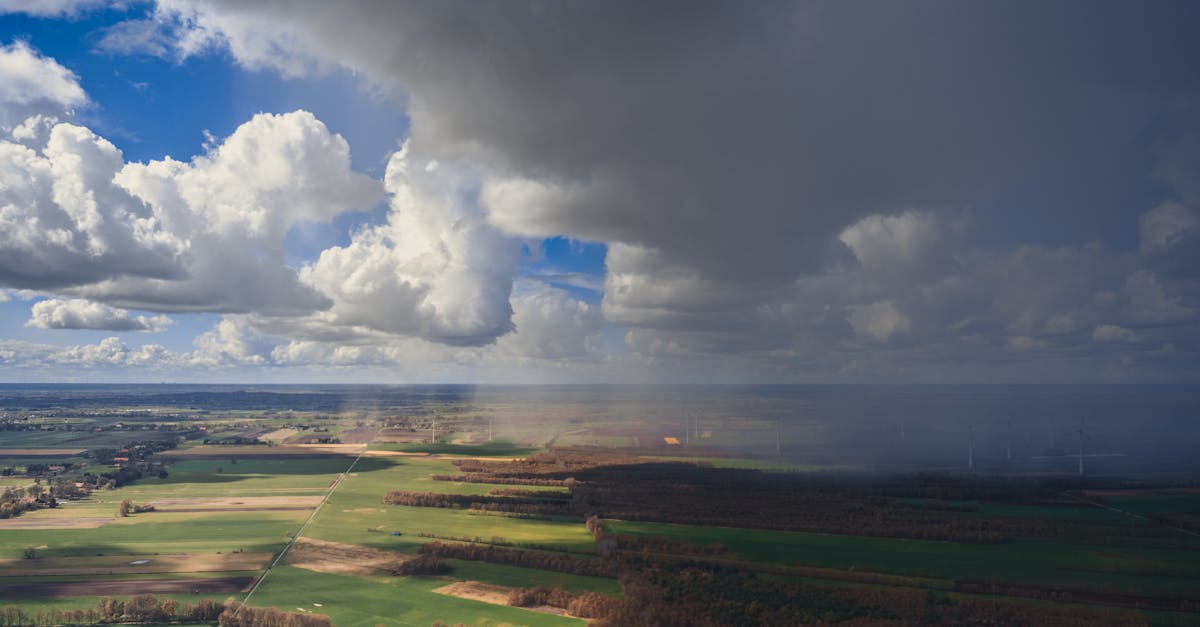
x,y
122,588
401,435
237,504
134,564
30,521
342,559
360,435
490,593
477,591
278,435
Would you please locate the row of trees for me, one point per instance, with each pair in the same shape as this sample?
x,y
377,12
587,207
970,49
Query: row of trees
x,y
698,594
143,608
427,565
557,562
148,609
128,507
498,479
582,605
15,501
541,495
517,505
534,597
562,463
499,541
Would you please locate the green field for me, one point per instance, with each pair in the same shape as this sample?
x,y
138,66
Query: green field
x,y
369,601
148,534
1151,572
1152,503
354,514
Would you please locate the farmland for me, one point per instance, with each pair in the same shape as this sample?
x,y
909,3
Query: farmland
x,y
194,503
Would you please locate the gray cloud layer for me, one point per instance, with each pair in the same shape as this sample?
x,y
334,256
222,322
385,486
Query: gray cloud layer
x,y
798,189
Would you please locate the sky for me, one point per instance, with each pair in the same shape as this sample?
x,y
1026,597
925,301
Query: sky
x,y
617,192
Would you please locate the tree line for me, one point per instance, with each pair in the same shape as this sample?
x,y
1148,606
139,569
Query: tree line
x,y
557,562
148,609
925,506
142,608
518,505
477,477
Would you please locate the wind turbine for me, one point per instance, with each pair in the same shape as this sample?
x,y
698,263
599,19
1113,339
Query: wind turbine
x,y
1081,436
971,447
1009,440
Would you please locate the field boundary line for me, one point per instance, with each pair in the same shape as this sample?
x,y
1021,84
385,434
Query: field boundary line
x,y
1082,499
296,536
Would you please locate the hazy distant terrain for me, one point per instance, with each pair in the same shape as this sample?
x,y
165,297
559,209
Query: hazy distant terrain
x,y
616,505
1127,429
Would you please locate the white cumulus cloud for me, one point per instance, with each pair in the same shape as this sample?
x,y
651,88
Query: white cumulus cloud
x,y
550,324
233,207
63,223
57,313
436,269
30,82
48,8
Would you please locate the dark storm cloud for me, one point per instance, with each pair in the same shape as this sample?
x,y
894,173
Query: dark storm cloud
x,y
733,136
743,160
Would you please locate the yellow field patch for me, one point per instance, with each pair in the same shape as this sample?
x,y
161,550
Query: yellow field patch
x,y
31,521
278,435
343,449
342,559
490,593
235,503
393,454
477,591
